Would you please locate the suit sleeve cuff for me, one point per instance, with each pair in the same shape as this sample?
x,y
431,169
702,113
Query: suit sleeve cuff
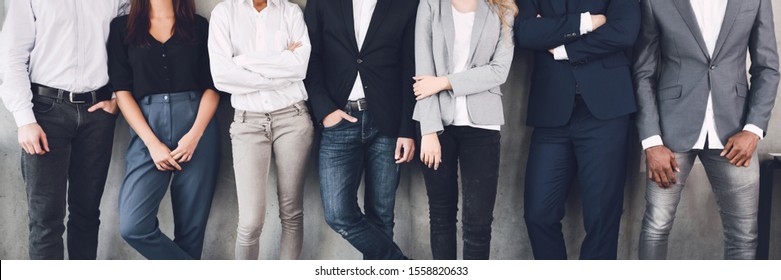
x,y
652,141
560,53
586,25
755,129
24,117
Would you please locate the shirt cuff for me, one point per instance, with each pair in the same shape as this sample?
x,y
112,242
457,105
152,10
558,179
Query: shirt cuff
x,y
652,141
560,53
755,129
24,117
586,25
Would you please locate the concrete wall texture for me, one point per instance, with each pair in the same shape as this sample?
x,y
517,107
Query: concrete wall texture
x,y
696,235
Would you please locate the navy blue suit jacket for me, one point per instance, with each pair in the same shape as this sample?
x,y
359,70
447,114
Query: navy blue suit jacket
x,y
598,66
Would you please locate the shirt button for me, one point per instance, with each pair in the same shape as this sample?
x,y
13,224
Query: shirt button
x,y
165,67
359,61
163,55
365,86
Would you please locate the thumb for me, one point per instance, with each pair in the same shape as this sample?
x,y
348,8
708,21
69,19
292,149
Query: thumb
x,y
45,142
348,117
95,107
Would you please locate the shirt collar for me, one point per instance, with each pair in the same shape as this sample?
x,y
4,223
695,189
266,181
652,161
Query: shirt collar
x,y
270,3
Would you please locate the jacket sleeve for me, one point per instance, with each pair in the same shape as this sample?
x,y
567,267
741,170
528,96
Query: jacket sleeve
x,y
543,33
494,74
618,34
764,68
319,98
406,124
427,111
646,67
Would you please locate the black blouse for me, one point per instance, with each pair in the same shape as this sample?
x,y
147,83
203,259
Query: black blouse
x,y
174,66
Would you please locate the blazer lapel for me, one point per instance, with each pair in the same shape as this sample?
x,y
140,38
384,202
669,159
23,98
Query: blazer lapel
x,y
733,7
380,11
481,15
687,13
448,28
349,23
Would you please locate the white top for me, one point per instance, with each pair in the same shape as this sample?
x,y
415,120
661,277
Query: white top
x,y
249,55
60,44
463,23
586,26
362,16
710,16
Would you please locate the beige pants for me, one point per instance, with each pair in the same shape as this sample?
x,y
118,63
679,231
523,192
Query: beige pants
x,y
287,134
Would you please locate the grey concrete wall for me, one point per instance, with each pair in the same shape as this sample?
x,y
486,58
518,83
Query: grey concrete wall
x,y
697,233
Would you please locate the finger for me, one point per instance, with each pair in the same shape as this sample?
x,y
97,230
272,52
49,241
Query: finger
x,y
95,107
159,167
27,148
408,153
737,160
727,147
397,154
37,148
671,176
177,155
674,164
741,162
733,153
437,161
348,117
664,178
650,174
175,164
189,158
165,165
657,179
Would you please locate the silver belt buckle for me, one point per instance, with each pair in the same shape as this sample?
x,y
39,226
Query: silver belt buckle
x,y
70,98
360,108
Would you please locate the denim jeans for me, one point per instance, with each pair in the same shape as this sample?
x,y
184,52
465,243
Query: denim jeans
x,y
477,152
170,116
737,195
76,168
348,151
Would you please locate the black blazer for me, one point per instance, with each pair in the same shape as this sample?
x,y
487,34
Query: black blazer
x,y
598,67
386,61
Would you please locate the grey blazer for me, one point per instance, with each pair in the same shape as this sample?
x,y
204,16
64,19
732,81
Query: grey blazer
x,y
674,71
491,53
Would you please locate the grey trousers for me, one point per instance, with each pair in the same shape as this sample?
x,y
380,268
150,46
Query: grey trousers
x,y
737,196
287,135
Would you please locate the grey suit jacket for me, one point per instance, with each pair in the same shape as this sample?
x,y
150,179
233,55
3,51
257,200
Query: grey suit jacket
x,y
491,53
674,71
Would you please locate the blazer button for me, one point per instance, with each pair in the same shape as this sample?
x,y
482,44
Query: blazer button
x,y
713,67
359,61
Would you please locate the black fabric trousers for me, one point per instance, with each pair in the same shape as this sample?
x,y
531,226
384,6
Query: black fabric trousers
x,y
73,173
477,151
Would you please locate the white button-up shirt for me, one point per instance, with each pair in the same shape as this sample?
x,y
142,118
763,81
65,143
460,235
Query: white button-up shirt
x,y
59,44
710,16
362,16
249,55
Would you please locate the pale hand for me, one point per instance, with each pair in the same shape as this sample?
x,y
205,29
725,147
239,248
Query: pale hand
x,y
186,147
33,140
598,21
336,116
426,86
110,106
162,158
405,148
431,151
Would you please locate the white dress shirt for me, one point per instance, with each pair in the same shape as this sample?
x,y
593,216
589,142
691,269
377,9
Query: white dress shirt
x,y
250,58
463,23
249,55
362,17
59,44
710,16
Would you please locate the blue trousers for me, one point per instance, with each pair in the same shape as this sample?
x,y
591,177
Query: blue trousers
x,y
594,152
170,116
347,152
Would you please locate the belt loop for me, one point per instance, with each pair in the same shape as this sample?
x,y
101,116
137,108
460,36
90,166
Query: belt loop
x,y
298,108
59,96
148,99
243,116
94,97
192,95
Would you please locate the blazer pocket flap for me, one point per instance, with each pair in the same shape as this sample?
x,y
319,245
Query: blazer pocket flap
x,y
670,93
496,90
741,90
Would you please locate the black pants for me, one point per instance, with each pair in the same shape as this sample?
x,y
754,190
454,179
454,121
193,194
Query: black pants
x,y
76,168
588,149
477,150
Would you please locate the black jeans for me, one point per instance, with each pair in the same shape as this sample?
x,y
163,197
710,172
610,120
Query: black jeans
x,y
477,151
76,167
